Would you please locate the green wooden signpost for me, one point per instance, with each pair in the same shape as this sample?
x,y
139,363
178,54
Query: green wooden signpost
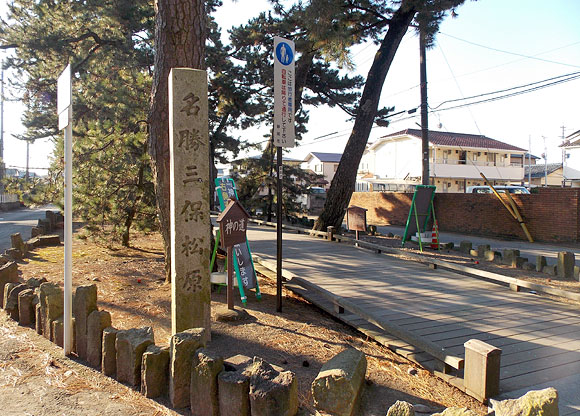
x,y
421,210
242,255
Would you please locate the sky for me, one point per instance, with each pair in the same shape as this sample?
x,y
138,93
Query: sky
x,y
492,45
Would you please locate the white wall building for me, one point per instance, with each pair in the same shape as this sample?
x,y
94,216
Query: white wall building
x,y
324,164
455,161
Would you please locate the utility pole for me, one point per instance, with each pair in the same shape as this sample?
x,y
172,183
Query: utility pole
x,y
545,163
2,170
530,161
27,160
424,115
563,155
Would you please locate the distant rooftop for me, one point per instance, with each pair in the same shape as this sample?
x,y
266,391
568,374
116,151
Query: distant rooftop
x,y
526,156
459,139
326,157
538,171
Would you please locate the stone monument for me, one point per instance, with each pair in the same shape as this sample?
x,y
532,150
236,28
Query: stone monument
x,y
189,204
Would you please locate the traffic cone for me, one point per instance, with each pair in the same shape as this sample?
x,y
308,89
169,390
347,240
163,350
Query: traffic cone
x,y
434,233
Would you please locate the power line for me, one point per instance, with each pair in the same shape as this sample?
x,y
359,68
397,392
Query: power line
x,y
488,100
516,53
567,77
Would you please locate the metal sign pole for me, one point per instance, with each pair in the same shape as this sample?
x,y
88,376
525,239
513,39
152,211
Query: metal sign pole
x,y
283,134
279,232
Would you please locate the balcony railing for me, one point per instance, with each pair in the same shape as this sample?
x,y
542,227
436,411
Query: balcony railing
x,y
473,169
474,162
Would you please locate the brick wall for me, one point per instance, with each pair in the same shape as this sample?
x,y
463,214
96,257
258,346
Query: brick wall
x,y
550,215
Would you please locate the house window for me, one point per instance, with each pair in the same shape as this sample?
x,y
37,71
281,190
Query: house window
x,y
318,168
475,157
445,156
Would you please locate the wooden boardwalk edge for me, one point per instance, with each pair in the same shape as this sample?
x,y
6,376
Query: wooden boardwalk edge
x,y
495,277
429,347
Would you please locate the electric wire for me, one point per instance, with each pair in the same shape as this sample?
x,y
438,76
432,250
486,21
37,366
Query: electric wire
x,y
515,53
572,75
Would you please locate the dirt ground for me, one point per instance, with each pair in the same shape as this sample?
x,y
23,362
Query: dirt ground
x,y
131,287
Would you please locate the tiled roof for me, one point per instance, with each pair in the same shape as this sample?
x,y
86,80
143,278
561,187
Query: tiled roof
x,y
538,171
526,156
327,157
442,138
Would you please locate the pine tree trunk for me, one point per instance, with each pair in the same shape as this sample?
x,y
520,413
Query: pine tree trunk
x,y
180,32
343,183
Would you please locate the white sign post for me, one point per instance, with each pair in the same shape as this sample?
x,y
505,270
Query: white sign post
x,y
64,109
284,92
283,132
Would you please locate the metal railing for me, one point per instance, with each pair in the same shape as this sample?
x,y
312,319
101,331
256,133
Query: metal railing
x,y
473,162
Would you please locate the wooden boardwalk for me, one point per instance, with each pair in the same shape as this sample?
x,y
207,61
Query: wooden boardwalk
x,y
539,337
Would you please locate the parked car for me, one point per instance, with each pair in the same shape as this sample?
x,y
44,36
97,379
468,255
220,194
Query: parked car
x,y
484,189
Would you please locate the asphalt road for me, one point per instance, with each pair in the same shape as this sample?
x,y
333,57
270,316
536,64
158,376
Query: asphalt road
x,y
19,221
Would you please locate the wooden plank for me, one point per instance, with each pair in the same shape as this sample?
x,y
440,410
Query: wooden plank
x,y
442,307
571,358
425,345
540,352
475,272
447,331
538,377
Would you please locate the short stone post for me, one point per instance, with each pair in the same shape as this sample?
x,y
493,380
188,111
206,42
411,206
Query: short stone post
x,y
154,369
482,367
109,352
540,263
234,387
38,324
7,289
465,246
8,274
181,353
84,303
204,385
339,384
272,391
189,200
566,262
330,233
96,323
57,332
11,304
482,249
51,306
26,307
130,345
17,243
510,257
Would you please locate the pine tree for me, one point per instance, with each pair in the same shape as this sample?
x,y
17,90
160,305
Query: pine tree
x,y
428,14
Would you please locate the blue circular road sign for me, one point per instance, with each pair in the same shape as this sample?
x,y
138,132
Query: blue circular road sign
x,y
284,53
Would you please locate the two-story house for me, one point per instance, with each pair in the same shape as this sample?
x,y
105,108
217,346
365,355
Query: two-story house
x,y
324,164
456,160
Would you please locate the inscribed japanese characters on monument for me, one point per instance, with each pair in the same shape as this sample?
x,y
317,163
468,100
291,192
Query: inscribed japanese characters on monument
x,y
189,182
